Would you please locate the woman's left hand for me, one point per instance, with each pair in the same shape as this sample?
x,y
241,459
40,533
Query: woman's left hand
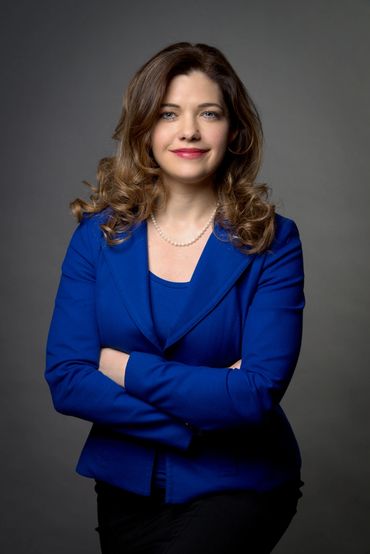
x,y
113,364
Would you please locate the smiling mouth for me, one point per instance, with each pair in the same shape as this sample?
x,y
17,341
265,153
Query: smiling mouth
x,y
189,150
189,153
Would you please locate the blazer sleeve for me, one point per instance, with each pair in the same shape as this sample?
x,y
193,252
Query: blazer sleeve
x,y
73,352
214,398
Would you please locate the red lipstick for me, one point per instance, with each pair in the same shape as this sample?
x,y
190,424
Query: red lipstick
x,y
189,152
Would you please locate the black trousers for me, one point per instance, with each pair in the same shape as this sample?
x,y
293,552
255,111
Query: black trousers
x,y
228,522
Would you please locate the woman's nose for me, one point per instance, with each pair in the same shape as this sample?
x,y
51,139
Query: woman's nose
x,y
189,128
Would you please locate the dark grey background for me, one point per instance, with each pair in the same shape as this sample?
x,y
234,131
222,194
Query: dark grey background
x,y
65,66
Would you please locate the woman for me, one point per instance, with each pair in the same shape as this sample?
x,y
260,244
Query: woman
x,y
178,321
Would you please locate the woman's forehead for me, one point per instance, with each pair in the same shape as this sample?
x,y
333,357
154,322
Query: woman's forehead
x,y
195,87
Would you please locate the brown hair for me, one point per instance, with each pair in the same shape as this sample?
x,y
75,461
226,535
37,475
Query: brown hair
x,y
128,182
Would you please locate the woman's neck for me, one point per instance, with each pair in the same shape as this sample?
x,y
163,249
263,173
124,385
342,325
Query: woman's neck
x,y
186,209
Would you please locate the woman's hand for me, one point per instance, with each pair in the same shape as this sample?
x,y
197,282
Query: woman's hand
x,y
113,364
236,365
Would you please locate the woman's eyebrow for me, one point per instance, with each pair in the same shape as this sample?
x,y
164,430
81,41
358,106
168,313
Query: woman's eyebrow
x,y
204,105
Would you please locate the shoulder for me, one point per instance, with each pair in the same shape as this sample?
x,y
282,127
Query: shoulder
x,y
90,223
87,238
89,226
286,246
286,230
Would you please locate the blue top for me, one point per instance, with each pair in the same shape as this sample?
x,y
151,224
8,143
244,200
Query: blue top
x,y
167,298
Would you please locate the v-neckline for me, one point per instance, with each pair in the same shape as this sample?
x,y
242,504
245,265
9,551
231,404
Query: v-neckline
x,y
203,254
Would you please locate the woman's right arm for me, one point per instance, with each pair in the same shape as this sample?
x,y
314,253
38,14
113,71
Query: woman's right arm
x,y
72,358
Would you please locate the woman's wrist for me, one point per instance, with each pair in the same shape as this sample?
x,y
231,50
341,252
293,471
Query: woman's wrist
x,y
113,364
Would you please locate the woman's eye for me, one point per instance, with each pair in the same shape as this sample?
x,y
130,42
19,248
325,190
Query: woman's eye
x,y
214,115
165,113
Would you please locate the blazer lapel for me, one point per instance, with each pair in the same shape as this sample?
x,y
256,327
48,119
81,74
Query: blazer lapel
x,y
128,263
219,266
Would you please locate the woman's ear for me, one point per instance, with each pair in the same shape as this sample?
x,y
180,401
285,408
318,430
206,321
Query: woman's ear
x,y
232,135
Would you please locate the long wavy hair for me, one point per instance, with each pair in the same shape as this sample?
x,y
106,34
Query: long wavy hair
x,y
129,183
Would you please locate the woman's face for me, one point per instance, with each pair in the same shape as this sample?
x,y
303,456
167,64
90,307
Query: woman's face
x,y
196,119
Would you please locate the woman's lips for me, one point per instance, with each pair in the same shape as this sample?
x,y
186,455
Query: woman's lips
x,y
190,154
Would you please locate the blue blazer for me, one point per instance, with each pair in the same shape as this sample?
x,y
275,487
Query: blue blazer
x,y
222,428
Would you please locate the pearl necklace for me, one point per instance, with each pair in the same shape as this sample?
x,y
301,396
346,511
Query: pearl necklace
x,y
175,243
